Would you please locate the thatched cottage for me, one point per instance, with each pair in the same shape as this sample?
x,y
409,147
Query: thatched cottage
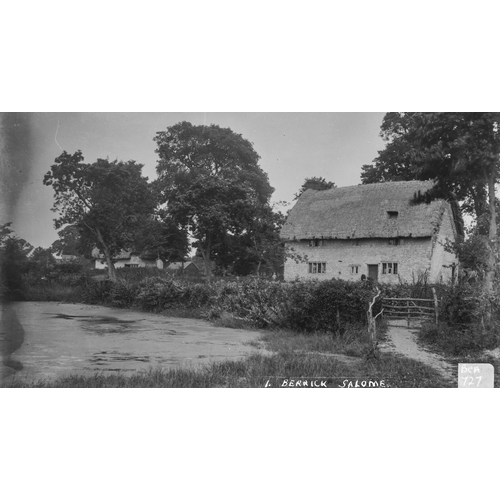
x,y
371,231
127,258
188,268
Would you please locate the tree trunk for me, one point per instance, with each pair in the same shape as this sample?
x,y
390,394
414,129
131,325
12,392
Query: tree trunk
x,y
107,254
111,266
479,202
258,267
492,236
258,254
205,253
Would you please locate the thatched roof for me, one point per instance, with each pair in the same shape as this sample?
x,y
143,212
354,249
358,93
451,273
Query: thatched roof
x,y
176,266
124,255
363,212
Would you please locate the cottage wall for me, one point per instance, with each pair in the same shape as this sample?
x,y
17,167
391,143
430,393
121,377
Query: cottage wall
x,y
413,256
132,261
442,261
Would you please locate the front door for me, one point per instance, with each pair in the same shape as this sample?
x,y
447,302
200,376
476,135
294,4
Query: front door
x,y
373,272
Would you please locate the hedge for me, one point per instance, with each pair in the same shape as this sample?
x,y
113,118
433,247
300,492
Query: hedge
x,y
307,306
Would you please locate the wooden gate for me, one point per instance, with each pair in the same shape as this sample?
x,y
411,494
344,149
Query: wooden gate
x,y
410,308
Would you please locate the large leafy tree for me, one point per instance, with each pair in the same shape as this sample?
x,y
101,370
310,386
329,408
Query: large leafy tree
x,y
162,237
70,242
394,163
422,146
266,245
260,245
460,151
211,182
107,202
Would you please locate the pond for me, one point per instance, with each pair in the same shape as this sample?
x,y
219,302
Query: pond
x,y
40,340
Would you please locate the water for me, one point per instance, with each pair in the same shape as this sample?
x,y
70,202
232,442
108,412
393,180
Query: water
x,y
40,340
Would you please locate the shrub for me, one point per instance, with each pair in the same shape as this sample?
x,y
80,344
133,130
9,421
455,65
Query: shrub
x,y
97,292
123,294
304,306
156,294
325,306
457,339
197,295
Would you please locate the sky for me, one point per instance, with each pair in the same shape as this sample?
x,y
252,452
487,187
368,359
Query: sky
x,y
292,146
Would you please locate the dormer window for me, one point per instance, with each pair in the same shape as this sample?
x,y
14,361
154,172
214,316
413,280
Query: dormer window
x,y
392,214
316,243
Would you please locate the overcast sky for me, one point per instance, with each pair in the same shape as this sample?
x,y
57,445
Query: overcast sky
x,y
292,146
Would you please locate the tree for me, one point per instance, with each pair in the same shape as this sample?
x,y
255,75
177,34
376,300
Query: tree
x,y
394,162
316,183
70,242
162,237
211,182
42,258
106,201
14,261
266,245
460,151
403,158
260,245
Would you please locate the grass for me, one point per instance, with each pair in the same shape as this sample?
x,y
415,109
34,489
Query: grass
x,y
349,344
458,345
228,320
456,341
259,370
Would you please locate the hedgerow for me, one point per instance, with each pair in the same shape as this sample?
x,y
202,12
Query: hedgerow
x,y
304,306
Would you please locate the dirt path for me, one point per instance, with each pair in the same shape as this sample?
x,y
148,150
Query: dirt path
x,y
402,340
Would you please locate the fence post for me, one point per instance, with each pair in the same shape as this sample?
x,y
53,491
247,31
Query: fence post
x,y
436,304
408,312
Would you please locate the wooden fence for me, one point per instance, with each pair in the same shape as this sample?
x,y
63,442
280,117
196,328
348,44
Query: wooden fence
x,y
410,308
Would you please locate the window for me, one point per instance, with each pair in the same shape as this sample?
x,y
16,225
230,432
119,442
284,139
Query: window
x,y
395,241
355,268
131,265
389,268
316,243
317,267
392,214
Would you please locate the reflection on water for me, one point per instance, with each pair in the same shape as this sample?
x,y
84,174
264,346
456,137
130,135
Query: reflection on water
x,y
46,340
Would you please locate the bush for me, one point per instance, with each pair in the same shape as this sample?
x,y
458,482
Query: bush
x,y
97,292
123,294
304,306
458,339
155,293
325,306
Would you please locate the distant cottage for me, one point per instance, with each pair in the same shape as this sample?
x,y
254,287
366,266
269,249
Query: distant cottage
x,y
187,268
371,231
127,259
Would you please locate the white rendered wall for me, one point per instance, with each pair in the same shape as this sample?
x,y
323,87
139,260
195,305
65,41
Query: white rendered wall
x,y
413,256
